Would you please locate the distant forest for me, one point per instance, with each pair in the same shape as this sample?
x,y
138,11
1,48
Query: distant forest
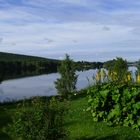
x,y
15,65
23,65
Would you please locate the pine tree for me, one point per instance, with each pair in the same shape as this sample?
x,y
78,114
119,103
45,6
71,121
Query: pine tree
x,y
66,84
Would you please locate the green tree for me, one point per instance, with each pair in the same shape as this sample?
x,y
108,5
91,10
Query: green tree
x,y
66,84
138,65
119,67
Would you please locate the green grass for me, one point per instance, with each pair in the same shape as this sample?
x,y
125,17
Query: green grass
x,y
78,124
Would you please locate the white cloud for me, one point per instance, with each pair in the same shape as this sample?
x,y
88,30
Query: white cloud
x,y
88,36
79,27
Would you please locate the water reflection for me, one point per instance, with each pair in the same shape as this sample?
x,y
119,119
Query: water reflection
x,y
27,87
1,76
42,85
133,71
1,90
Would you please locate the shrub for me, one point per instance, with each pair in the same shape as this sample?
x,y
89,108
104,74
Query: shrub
x,y
116,104
66,84
117,69
38,120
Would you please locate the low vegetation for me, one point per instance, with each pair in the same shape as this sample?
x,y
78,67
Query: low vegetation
x,y
116,104
81,126
38,119
107,110
78,123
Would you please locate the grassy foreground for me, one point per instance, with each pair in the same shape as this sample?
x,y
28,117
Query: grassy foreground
x,y
81,126
78,123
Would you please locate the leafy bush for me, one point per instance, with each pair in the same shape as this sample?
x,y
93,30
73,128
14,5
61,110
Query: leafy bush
x,y
116,104
38,120
117,69
66,84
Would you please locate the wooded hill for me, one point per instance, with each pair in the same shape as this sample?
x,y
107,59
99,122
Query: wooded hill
x,y
18,57
22,65
16,65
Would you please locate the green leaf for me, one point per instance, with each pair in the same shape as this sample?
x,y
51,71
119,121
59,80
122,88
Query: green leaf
x,y
90,100
93,114
136,106
101,113
89,108
104,93
138,122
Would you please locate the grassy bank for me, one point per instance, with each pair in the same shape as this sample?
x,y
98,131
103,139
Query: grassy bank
x,y
81,126
78,123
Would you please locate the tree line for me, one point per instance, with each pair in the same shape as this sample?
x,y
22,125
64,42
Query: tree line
x,y
14,65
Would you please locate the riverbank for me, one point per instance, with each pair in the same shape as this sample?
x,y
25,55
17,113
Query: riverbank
x,y
78,124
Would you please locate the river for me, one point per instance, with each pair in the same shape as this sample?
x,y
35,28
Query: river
x,y
42,85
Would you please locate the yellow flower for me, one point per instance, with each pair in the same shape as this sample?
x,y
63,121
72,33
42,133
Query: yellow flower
x,y
112,75
103,74
128,77
98,75
138,78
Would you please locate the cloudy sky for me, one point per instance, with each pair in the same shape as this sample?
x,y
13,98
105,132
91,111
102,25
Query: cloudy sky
x,y
94,30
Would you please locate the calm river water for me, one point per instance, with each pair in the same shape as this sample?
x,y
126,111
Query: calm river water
x,y
42,85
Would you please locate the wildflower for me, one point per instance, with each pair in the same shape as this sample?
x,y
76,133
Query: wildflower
x,y
129,78
98,76
138,78
113,75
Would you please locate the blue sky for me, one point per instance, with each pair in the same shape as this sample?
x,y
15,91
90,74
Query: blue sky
x,y
94,30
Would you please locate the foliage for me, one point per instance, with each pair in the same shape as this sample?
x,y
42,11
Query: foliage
x,y
138,72
118,69
116,104
138,77
100,77
78,123
14,65
84,65
18,57
66,84
39,120
81,126
138,65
